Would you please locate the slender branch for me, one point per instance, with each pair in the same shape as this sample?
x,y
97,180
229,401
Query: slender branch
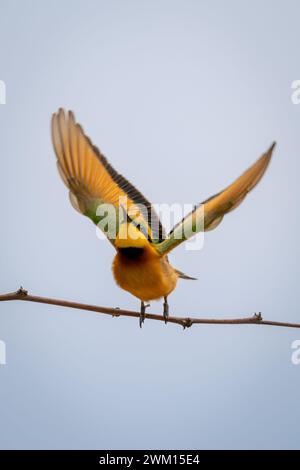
x,y
186,322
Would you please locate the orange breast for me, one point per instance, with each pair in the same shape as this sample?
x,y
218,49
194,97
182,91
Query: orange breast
x,y
144,275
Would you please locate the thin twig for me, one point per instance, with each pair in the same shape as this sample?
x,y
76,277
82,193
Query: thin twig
x,y
186,322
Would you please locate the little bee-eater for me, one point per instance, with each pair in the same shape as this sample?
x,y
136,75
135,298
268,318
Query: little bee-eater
x,y
141,264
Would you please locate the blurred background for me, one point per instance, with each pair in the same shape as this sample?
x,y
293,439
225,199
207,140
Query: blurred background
x,y
181,96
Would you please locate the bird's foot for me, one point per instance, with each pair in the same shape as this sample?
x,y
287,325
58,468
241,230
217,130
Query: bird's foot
x,y
142,313
166,310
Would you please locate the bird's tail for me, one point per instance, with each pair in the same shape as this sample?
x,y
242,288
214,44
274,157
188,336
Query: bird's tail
x,y
185,276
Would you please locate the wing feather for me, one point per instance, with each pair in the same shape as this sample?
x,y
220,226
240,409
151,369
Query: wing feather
x,y
92,180
209,214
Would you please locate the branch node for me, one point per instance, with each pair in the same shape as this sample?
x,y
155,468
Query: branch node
x,y
114,314
187,323
22,292
258,317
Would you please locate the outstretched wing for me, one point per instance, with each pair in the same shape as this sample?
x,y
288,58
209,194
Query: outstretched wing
x,y
95,186
207,215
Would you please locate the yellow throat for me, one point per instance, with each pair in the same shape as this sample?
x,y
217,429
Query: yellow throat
x,y
130,236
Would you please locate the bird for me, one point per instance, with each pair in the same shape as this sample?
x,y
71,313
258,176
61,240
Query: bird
x,y
141,265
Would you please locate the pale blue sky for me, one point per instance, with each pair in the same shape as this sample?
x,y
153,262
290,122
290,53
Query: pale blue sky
x,y
181,96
